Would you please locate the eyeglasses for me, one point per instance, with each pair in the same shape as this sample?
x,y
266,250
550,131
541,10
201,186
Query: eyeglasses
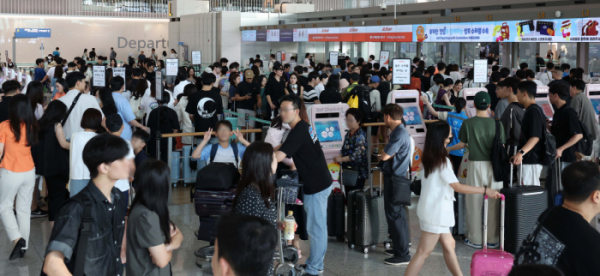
x,y
281,110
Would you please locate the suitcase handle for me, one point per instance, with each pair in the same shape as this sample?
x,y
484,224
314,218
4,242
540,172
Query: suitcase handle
x,y
380,181
485,218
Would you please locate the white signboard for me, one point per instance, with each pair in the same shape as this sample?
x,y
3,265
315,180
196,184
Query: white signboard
x,y
384,59
401,70
196,58
278,56
273,35
159,86
480,73
172,66
119,71
333,58
99,76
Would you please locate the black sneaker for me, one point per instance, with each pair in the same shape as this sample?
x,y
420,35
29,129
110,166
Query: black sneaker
x,y
302,269
389,252
39,213
397,261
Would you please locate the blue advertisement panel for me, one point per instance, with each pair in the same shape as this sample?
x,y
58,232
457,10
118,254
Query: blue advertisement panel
x,y
31,33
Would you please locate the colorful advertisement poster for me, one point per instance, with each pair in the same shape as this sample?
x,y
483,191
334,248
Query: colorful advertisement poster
x,y
273,35
384,59
249,35
457,32
545,30
589,30
301,35
353,34
395,33
261,35
325,35
286,35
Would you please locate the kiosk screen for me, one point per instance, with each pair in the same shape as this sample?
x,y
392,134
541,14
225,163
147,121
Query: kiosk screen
x,y
328,131
596,105
412,116
547,108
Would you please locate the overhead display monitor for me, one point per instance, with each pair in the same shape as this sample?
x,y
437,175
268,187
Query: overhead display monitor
x,y
249,35
273,35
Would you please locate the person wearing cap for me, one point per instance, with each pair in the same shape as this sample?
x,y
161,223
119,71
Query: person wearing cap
x,y
375,98
275,89
478,133
247,96
533,127
354,78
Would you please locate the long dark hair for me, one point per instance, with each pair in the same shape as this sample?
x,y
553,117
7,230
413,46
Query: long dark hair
x,y
20,112
152,191
166,98
63,83
257,171
59,71
333,83
54,113
35,92
232,78
108,102
435,153
140,89
459,104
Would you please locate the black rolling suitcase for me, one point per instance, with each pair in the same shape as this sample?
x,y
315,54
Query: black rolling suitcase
x,y
367,224
459,228
335,215
524,204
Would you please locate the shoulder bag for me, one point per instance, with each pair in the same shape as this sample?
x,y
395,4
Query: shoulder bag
x,y
70,109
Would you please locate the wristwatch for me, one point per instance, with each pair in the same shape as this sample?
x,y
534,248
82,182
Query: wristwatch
x,y
522,152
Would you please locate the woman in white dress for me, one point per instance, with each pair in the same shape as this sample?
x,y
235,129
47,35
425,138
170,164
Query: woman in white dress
x,y
436,203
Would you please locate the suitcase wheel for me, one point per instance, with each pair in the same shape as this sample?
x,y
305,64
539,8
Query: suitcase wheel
x,y
366,250
285,269
290,254
351,246
387,245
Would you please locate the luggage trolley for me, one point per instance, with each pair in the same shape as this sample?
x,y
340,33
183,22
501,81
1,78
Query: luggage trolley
x,y
286,255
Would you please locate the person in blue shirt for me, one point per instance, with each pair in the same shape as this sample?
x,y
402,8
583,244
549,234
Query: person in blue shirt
x,y
225,151
39,73
117,84
56,53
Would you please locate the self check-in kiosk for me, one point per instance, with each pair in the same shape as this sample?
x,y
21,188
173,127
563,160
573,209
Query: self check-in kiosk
x,y
593,93
329,123
469,96
543,100
409,101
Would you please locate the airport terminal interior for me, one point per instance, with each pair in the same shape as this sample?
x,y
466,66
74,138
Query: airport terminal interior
x,y
377,83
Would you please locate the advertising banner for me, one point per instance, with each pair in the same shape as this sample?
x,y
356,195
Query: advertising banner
x,y
384,59
325,35
455,32
353,34
396,33
261,35
249,35
286,35
301,35
273,35
32,33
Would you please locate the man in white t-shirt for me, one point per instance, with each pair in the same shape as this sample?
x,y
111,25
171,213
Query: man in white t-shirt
x,y
546,77
225,151
530,76
76,82
182,77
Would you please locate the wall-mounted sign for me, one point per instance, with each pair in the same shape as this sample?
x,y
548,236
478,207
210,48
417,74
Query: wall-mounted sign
x,y
196,58
401,70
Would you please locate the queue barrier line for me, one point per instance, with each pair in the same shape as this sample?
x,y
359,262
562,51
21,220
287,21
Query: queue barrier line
x,y
249,117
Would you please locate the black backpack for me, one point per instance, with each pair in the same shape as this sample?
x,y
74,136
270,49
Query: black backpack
x,y
584,146
364,100
549,143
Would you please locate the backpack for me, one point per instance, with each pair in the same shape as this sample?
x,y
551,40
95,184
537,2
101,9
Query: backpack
x,y
360,98
218,176
135,106
549,144
500,159
585,145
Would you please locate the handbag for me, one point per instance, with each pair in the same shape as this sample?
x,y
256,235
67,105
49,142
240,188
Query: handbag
x,y
349,175
528,254
401,190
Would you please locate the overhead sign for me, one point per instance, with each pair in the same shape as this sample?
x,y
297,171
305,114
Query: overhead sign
x,y
325,34
99,76
384,59
196,58
454,32
401,69
394,33
333,58
261,35
158,83
353,34
31,33
273,35
480,71
301,35
286,35
249,35
172,66
119,71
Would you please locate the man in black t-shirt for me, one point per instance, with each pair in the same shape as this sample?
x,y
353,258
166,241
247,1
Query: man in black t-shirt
x,y
247,96
205,106
565,125
533,127
566,240
274,89
491,89
303,145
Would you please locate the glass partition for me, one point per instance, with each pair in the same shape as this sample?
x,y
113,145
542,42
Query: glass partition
x,y
350,49
567,53
453,54
432,53
594,59
470,52
526,54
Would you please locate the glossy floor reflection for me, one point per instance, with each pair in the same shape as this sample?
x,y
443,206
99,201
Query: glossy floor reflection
x,y
340,260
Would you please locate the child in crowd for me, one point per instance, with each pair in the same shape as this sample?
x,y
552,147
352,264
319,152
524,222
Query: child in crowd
x,y
221,152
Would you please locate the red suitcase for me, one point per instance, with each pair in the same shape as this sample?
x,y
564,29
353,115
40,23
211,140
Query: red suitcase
x,y
488,261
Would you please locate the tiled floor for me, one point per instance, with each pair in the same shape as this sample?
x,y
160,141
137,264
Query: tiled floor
x,y
340,260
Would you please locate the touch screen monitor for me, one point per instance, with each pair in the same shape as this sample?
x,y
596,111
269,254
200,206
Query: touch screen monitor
x,y
593,93
329,123
542,99
415,125
469,96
